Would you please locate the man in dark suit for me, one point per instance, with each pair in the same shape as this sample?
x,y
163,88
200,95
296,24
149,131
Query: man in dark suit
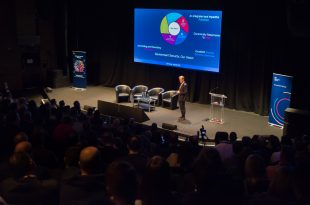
x,y
182,96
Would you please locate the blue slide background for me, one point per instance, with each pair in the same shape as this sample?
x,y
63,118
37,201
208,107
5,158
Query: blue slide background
x,y
147,32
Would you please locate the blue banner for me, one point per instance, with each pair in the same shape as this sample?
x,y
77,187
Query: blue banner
x,y
280,98
79,69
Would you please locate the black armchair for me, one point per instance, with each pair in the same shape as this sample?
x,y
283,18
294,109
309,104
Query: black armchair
x,y
156,94
170,99
137,91
122,93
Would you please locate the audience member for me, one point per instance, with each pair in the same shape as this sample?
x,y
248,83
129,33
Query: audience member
x,y
23,146
89,186
287,155
210,179
232,137
223,146
108,149
255,175
134,157
121,183
156,183
88,155
25,187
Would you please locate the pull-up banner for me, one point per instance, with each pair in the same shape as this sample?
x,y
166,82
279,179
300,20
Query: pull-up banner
x,y
280,98
79,69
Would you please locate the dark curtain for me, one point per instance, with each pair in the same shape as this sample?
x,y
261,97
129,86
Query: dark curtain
x,y
256,41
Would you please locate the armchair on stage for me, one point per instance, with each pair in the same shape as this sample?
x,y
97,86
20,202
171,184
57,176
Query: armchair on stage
x,y
122,93
170,99
156,94
137,91
217,107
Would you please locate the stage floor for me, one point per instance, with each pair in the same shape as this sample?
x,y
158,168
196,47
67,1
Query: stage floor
x,y
243,123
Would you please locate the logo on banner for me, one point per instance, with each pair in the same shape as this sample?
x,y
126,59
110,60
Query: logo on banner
x,y
79,66
79,69
280,98
276,79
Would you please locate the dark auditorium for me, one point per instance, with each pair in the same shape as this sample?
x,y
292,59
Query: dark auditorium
x,y
154,102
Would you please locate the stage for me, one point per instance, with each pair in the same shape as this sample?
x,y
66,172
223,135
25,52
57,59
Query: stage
x,y
243,123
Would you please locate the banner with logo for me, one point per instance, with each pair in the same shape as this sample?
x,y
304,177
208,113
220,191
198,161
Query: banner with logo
x,y
79,69
280,98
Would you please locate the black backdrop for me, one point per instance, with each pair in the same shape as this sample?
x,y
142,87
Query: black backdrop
x,y
259,37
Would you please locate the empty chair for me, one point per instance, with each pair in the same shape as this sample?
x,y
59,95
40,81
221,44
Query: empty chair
x,y
137,91
156,94
170,99
122,93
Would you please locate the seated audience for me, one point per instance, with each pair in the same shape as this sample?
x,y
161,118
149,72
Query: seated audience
x,y
121,183
232,137
25,187
255,175
156,183
210,180
223,146
89,186
134,157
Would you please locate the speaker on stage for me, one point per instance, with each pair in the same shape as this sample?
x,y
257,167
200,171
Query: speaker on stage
x,y
123,111
169,126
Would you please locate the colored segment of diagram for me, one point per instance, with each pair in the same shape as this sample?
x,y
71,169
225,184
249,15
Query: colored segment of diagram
x,y
174,28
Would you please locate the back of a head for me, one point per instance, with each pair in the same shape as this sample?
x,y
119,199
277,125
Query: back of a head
x,y
287,155
21,164
71,157
134,144
32,105
97,114
116,122
237,147
282,186
286,140
246,141
20,137
157,176
207,166
62,103
274,143
255,166
107,138
23,146
220,136
90,111
76,104
194,140
90,160
232,136
122,183
154,126
53,101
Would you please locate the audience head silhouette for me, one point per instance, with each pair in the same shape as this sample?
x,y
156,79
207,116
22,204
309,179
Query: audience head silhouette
x,y
134,144
157,177
23,146
90,161
21,164
121,180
